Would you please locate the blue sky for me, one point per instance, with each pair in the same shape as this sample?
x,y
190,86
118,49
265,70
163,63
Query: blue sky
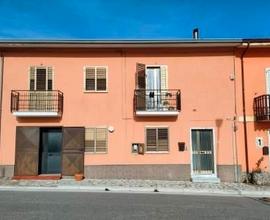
x,y
133,19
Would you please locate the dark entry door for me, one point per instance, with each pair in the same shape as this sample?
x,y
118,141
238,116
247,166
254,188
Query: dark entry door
x,y
50,150
203,151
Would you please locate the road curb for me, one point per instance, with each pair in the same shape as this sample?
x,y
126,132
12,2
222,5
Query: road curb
x,y
149,190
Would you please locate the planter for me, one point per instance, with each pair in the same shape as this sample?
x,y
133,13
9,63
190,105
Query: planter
x,y
78,177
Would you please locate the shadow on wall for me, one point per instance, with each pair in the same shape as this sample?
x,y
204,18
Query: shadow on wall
x,y
264,126
39,120
155,119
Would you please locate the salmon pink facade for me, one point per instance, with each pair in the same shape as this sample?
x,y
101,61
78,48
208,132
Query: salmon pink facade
x,y
132,110
255,78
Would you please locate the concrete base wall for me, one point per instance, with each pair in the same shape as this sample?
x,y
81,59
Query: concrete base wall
x,y
145,171
226,173
6,171
229,173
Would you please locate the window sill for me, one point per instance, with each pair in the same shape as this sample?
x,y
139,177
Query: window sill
x,y
85,91
95,153
157,152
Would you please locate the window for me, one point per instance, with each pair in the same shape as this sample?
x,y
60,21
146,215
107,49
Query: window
x,y
96,79
96,140
41,78
157,139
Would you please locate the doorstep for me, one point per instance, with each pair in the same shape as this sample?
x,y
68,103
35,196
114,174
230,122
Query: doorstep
x,y
205,179
39,177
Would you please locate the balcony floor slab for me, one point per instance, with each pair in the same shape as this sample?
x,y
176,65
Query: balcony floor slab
x,y
157,113
36,114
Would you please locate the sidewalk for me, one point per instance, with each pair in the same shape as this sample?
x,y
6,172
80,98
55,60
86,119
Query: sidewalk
x,y
137,186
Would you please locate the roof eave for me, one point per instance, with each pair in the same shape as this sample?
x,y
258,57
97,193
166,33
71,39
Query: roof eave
x,y
119,44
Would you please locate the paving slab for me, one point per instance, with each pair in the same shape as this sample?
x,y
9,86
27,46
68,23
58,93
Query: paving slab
x,y
137,186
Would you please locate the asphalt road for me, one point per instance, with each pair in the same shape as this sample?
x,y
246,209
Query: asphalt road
x,y
107,205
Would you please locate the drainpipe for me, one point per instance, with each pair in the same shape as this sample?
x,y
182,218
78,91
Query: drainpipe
x,y
1,87
244,108
2,173
234,129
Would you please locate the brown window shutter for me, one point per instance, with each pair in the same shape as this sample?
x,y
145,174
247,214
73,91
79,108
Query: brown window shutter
x,y
101,140
73,150
101,79
27,151
163,143
140,76
140,86
151,139
90,81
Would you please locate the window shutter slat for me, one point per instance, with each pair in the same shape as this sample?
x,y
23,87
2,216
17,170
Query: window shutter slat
x,y
140,76
32,78
90,73
101,79
50,78
90,84
164,77
163,139
90,140
96,140
151,139
101,139
90,79
50,72
157,139
96,78
101,73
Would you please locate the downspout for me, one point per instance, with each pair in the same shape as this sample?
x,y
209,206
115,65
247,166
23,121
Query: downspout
x,y
244,108
1,89
234,128
2,171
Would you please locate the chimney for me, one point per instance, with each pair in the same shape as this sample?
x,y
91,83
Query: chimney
x,y
196,34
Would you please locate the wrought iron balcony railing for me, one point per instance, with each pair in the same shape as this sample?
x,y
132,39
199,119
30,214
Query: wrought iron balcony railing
x,y
261,108
157,102
36,103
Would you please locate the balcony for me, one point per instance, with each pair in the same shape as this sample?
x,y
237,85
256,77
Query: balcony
x,y
25,103
157,102
261,108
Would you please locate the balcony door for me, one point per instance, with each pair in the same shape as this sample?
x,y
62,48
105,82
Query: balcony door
x,y
153,88
41,84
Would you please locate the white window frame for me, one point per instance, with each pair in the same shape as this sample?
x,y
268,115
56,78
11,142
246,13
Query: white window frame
x,y
145,139
35,76
107,139
84,79
158,66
